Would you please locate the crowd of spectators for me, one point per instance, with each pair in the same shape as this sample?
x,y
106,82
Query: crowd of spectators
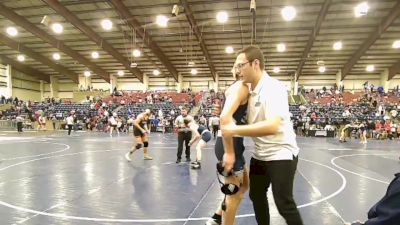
x,y
370,109
328,109
94,113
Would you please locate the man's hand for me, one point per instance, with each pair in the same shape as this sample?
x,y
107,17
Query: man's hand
x,y
228,130
228,160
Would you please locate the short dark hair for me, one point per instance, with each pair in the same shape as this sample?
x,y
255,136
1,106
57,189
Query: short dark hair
x,y
185,107
252,53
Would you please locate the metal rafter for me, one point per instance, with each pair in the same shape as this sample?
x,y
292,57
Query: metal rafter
x,y
313,36
24,68
32,28
89,32
44,60
382,27
393,70
197,33
134,24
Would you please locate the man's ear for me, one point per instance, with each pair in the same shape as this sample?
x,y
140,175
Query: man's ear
x,y
256,62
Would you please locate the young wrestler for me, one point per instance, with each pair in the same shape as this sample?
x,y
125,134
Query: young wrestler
x,y
141,131
201,133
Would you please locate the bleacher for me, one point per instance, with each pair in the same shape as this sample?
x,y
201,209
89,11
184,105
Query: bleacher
x,y
62,110
135,97
335,112
140,107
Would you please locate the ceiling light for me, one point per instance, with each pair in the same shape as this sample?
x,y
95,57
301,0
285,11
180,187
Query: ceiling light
x,y
361,9
222,17
162,21
120,73
337,45
136,53
57,28
12,31
21,58
191,63
370,68
87,73
56,56
396,44
106,24
193,71
156,72
288,13
229,50
322,69
95,55
281,47
276,69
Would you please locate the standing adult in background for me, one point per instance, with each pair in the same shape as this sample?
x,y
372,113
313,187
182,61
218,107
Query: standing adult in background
x,y
129,124
70,122
39,121
54,120
184,134
19,120
203,120
214,124
113,124
275,156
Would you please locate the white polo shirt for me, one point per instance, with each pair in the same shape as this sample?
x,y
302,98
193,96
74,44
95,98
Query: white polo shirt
x,y
269,99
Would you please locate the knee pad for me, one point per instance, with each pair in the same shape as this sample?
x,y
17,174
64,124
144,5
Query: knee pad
x,y
145,144
138,145
227,189
221,170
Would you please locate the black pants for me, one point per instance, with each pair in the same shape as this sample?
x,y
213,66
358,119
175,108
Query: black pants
x,y
19,126
215,129
280,174
184,137
69,128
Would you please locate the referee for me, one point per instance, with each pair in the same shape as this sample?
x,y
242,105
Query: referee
x,y
184,134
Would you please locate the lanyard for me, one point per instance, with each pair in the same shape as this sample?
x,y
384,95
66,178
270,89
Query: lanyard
x,y
258,103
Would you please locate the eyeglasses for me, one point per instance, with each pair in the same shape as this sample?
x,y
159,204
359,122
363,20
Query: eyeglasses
x,y
239,66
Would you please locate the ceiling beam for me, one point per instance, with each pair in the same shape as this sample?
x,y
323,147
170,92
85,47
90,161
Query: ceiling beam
x,y
89,32
39,58
394,70
198,34
314,32
32,28
144,35
25,69
378,31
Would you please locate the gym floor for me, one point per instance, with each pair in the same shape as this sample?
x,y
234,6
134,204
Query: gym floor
x,y
50,178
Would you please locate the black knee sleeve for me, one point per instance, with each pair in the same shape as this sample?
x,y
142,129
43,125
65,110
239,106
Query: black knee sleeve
x,y
138,145
145,144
